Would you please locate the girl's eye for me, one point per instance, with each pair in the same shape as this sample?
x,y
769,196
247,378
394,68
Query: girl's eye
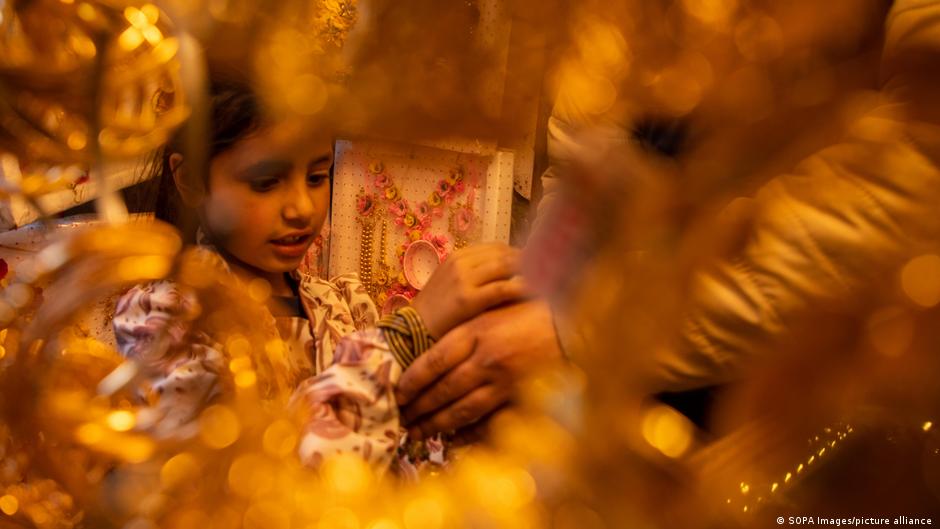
x,y
315,179
263,185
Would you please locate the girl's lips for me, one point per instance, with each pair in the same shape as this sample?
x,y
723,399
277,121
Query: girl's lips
x,y
292,246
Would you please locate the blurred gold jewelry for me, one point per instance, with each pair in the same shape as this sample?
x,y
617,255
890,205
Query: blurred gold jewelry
x,y
86,81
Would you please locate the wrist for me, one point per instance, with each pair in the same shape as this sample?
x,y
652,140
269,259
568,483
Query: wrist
x,y
406,334
425,316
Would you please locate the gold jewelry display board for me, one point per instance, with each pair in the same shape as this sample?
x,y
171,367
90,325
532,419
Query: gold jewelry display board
x,y
399,210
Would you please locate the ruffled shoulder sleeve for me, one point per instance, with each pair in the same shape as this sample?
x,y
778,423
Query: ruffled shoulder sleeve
x,y
148,312
350,407
180,368
337,308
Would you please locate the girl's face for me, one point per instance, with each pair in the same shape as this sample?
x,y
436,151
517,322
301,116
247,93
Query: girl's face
x,y
266,202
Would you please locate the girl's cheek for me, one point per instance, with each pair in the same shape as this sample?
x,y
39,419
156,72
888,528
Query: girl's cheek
x,y
235,221
222,216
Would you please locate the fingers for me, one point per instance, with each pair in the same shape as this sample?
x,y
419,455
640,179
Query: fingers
x,y
478,253
458,382
439,359
488,256
499,265
464,412
499,292
492,295
479,431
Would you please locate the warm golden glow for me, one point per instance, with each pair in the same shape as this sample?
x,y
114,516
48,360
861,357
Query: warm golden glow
x,y
759,38
84,47
246,379
384,524
136,17
121,420
275,349
423,513
142,268
131,39
259,290
9,505
716,12
165,50
218,426
251,474
667,430
266,515
152,34
280,439
338,518
891,331
347,474
90,433
86,12
134,449
920,279
306,94
239,364
151,13
566,459
77,140
179,470
239,347
20,295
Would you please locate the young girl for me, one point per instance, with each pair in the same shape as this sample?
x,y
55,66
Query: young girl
x,y
259,210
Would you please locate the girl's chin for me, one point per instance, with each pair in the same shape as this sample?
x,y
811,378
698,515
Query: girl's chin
x,y
271,262
282,264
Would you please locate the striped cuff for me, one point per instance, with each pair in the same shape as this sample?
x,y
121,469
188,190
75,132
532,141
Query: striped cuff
x,y
406,335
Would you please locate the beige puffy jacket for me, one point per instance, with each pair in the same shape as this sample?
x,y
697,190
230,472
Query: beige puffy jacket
x,y
841,220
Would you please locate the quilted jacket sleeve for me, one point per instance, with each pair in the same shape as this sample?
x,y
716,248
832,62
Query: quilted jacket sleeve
x,y
845,218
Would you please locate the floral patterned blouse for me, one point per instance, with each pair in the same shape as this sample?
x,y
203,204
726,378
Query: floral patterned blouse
x,y
339,360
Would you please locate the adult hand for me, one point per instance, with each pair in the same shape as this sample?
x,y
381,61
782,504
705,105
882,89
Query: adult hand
x,y
476,367
467,283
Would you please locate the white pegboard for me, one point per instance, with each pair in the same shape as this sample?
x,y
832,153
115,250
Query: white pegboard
x,y
498,198
524,162
416,170
16,212
477,146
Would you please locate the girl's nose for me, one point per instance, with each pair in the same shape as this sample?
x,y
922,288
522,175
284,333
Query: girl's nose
x,y
298,205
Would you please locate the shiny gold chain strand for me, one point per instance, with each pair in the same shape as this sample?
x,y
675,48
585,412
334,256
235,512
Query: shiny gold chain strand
x,y
380,283
382,244
366,242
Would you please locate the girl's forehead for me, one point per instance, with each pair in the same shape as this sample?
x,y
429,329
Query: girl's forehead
x,y
272,143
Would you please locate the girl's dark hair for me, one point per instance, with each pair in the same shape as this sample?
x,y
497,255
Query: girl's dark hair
x,y
234,114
